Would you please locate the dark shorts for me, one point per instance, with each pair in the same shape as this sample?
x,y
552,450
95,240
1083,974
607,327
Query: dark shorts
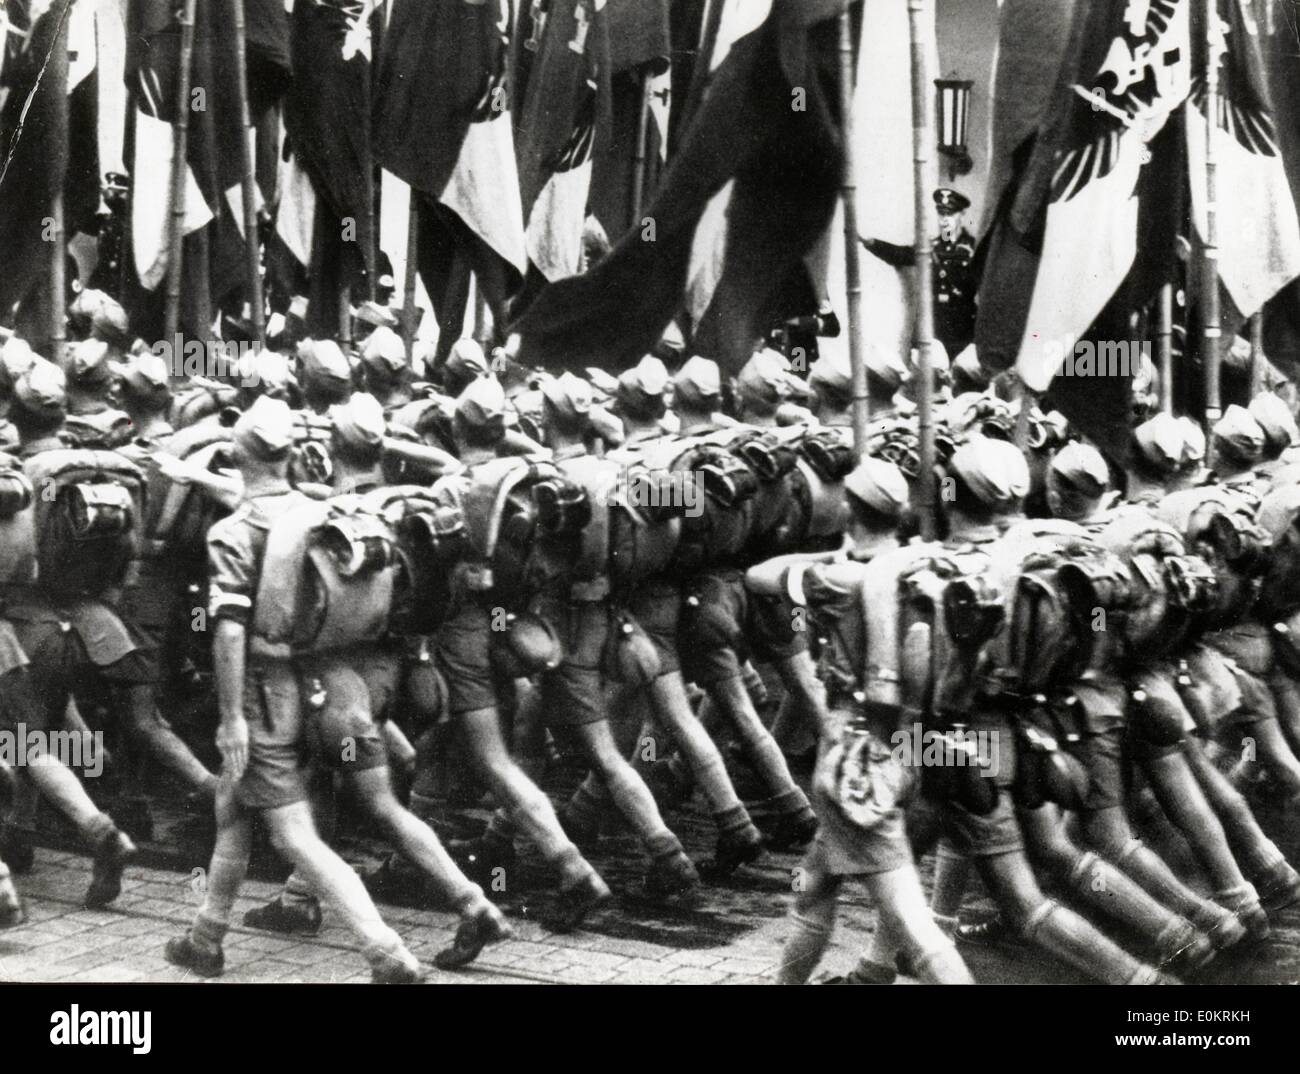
x,y
66,643
274,777
573,695
463,648
723,625
1100,748
656,605
341,733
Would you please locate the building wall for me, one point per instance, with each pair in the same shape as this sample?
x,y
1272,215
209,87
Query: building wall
x,y
967,32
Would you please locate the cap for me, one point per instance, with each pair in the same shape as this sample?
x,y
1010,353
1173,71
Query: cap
x,y
878,484
384,351
147,377
1239,435
648,377
939,360
373,313
268,370
763,378
832,374
482,402
360,421
885,365
82,309
265,429
570,395
994,470
698,382
323,365
1162,441
1276,419
466,361
602,383
16,357
1082,467
950,201
42,390
110,323
88,365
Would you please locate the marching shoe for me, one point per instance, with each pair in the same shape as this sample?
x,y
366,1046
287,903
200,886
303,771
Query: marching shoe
x,y
396,966
732,850
302,918
1278,886
672,876
111,857
789,830
486,926
16,849
575,902
185,953
992,932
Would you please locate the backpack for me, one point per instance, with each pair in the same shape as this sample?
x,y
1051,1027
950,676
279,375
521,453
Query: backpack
x,y
333,573
18,564
177,517
89,511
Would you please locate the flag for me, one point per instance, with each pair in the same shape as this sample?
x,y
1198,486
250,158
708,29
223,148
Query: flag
x,y
1258,233
33,160
442,125
769,125
640,46
1071,220
564,101
327,122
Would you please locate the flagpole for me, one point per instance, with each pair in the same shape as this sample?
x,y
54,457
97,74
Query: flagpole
x,y
1210,316
1165,346
922,137
852,258
248,181
180,145
640,158
57,74
1257,360
408,277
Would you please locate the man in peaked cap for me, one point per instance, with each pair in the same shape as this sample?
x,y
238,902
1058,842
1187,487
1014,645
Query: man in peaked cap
x,y
954,275
260,734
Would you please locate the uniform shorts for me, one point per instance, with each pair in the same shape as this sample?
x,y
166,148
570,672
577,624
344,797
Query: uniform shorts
x,y
656,605
723,624
341,732
66,642
573,695
272,706
1100,749
463,647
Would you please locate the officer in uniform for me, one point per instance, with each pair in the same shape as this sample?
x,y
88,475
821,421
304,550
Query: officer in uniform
x,y
260,735
954,276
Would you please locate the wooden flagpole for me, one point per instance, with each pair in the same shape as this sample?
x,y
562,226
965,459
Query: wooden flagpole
x,y
408,277
180,144
57,75
1211,328
640,159
922,141
1165,346
852,252
1258,363
248,181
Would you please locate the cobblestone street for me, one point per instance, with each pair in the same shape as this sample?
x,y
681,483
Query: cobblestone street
x,y
732,935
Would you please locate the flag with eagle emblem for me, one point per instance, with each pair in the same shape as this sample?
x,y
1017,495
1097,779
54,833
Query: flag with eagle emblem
x,y
1128,69
1258,232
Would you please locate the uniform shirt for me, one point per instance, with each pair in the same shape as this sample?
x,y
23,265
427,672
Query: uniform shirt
x,y
236,546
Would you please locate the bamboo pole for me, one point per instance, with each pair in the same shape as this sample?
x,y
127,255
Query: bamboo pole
x,y
408,277
922,142
1165,346
180,144
57,88
639,160
852,251
1210,315
248,181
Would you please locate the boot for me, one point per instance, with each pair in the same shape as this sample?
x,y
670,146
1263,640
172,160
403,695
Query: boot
x,y
793,822
672,876
575,901
486,925
182,951
111,857
300,918
739,843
